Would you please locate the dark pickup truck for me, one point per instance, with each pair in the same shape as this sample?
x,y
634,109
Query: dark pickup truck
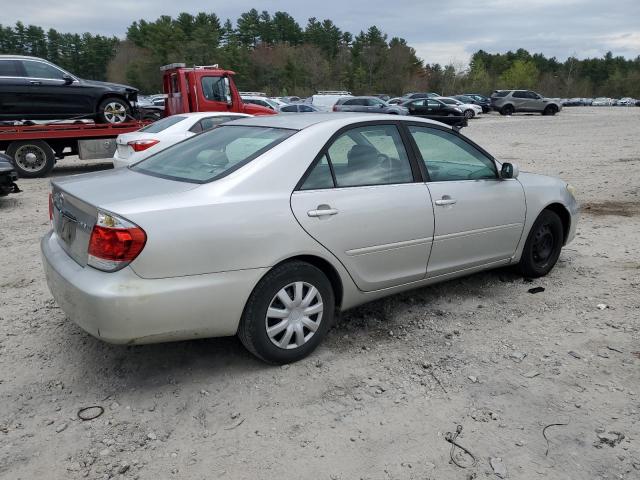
x,y
8,176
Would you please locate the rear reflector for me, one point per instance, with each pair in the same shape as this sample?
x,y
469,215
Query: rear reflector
x,y
114,243
140,145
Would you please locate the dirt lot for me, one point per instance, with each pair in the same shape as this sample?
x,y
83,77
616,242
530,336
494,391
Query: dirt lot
x,y
376,400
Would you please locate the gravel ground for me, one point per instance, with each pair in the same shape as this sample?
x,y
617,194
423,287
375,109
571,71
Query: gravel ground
x,y
377,398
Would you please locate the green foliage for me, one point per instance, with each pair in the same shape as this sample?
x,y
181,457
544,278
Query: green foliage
x,y
85,55
521,74
273,53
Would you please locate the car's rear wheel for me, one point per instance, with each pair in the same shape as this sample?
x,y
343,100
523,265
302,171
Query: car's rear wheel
x,y
288,313
507,110
32,158
543,245
550,110
113,110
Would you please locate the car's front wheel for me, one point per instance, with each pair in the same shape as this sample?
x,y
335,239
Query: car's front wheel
x,y
113,110
288,313
550,110
542,249
469,114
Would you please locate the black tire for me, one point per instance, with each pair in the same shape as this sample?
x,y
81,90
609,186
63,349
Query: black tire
x,y
550,110
507,110
254,323
113,110
468,114
543,246
32,158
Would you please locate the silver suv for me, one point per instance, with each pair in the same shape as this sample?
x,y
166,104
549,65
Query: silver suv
x,y
368,105
508,102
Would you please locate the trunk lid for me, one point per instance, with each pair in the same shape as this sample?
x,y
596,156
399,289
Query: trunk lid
x,y
76,200
124,150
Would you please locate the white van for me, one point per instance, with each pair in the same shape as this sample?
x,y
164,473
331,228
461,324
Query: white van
x,y
325,100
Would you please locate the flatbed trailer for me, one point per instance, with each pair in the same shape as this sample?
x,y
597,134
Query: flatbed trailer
x,y
34,149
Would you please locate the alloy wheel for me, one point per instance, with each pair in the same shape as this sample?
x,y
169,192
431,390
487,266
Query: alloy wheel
x,y
115,112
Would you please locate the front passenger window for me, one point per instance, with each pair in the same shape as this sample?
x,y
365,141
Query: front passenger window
x,y
448,157
41,70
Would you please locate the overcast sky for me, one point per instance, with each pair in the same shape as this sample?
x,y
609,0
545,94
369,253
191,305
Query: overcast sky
x,y
441,31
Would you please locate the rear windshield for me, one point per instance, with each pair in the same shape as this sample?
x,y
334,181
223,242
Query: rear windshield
x,y
212,155
163,124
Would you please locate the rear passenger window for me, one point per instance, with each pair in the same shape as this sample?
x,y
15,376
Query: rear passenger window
x,y
371,155
520,95
320,177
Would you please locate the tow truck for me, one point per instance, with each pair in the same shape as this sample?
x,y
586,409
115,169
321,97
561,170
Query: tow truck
x,y
34,149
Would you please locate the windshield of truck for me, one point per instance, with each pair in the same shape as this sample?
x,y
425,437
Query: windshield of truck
x,y
212,155
162,124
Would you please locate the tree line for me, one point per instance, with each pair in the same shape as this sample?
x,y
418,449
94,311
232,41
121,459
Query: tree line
x,y
277,55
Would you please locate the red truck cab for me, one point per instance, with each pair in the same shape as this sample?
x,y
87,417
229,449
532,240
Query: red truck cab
x,y
203,89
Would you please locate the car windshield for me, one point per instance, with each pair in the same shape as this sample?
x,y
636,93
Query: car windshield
x,y
163,124
212,155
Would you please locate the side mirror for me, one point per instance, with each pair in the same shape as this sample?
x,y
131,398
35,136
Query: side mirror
x,y
68,79
227,91
509,170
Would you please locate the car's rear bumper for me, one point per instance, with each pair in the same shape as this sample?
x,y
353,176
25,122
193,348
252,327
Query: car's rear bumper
x,y
119,162
121,307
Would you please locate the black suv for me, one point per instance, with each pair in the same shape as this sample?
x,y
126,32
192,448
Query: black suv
x,y
34,89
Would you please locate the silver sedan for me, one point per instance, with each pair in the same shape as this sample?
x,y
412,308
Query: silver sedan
x,y
267,227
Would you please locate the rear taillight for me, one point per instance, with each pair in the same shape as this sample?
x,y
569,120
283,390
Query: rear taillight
x,y
335,108
140,145
114,243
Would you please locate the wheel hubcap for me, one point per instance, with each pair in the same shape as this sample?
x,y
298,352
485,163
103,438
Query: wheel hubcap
x,y
543,245
30,158
115,112
294,315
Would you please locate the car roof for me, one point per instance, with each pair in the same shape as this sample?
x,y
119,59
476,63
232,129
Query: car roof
x,y
22,57
211,114
338,119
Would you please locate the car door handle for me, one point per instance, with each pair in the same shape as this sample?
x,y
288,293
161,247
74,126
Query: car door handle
x,y
446,200
35,82
322,212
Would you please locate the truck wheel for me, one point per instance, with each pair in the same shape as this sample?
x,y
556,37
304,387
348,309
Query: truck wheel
x,y
32,158
113,110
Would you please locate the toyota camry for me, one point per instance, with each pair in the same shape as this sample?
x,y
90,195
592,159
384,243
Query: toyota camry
x,y
267,227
